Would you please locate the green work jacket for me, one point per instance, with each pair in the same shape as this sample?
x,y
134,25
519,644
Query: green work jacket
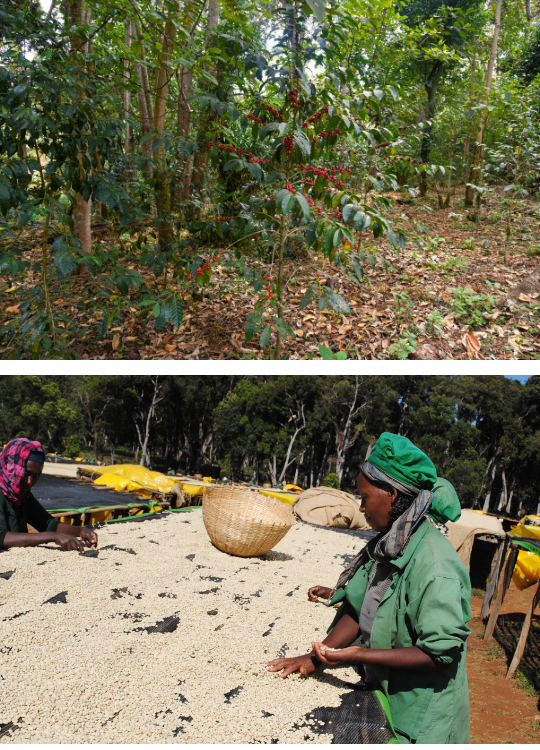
x,y
14,518
427,604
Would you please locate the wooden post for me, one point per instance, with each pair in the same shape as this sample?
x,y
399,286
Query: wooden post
x,y
518,654
508,570
495,575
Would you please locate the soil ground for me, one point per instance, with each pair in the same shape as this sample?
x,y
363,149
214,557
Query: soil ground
x,y
455,275
502,711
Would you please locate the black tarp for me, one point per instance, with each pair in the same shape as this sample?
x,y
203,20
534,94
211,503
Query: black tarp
x,y
59,493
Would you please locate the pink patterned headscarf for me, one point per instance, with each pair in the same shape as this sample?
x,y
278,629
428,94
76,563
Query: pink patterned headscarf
x,y
13,460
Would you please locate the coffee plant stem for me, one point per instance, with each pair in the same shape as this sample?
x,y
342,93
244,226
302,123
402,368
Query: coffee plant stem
x,y
45,279
279,286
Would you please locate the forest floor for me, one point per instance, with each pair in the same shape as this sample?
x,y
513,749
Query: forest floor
x,y
502,711
443,297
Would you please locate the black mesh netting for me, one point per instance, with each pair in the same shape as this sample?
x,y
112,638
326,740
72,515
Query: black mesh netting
x,y
359,719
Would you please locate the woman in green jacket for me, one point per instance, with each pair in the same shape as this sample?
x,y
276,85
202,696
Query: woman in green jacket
x,y
405,600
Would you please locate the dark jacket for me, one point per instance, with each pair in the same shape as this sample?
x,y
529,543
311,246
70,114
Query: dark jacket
x,y
15,517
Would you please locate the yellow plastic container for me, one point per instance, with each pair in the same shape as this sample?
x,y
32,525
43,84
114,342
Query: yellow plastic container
x,y
527,570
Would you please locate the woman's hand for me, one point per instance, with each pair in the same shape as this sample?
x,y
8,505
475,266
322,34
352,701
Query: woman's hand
x,y
303,664
89,536
333,657
318,592
68,542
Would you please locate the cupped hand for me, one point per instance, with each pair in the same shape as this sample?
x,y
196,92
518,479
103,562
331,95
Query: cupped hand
x,y
302,664
68,542
333,657
318,592
89,536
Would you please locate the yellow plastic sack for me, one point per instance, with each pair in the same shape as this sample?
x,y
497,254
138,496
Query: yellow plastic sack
x,y
527,570
193,489
286,498
292,488
139,476
208,479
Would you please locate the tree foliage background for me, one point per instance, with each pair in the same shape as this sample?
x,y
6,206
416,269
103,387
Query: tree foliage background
x,y
483,433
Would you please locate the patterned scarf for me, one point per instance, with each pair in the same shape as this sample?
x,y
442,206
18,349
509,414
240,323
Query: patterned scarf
x,y
13,468
392,545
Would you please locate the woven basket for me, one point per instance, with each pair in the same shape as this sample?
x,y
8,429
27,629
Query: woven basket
x,y
244,523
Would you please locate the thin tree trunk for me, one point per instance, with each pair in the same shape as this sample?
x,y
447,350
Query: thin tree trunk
x,y
143,441
346,438
272,470
126,93
467,141
528,12
82,209
161,171
479,142
503,498
185,80
323,462
200,158
431,86
291,443
511,495
488,494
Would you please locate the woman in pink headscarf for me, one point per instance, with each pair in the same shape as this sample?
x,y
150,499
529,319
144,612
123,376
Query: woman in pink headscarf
x,y
21,465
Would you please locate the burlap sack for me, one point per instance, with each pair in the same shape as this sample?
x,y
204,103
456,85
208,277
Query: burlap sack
x,y
325,506
461,533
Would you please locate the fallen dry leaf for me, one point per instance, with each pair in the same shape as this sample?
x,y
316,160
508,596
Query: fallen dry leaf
x,y
131,338
13,308
299,332
170,347
345,328
471,340
116,341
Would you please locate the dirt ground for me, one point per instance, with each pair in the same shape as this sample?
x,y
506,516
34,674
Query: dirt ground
x,y
443,297
502,711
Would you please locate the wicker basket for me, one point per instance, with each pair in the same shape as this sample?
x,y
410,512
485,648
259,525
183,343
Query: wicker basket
x,y
243,522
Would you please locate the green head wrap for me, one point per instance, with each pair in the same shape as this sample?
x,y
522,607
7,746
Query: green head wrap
x,y
402,460
445,505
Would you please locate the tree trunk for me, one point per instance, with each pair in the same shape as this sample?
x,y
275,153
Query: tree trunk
x,y
200,458
200,158
291,443
467,141
346,437
82,210
431,86
323,462
490,486
503,498
161,171
143,441
144,96
482,119
528,12
272,470
185,80
126,93
511,495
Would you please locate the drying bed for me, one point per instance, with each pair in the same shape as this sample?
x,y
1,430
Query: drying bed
x,y
163,638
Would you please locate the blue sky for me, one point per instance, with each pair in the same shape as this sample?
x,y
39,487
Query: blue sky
x,y
521,378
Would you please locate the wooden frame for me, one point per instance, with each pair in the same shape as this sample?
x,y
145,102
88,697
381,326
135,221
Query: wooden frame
x,y
503,569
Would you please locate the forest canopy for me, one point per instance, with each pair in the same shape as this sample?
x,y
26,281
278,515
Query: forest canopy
x,y
225,178
482,433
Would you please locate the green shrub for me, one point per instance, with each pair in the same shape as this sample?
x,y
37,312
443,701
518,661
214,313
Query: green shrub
x,y
331,480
